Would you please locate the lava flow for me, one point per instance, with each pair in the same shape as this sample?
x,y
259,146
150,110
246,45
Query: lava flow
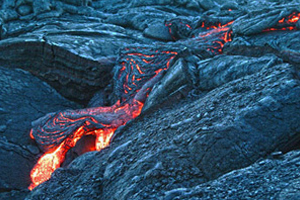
x,y
286,23
56,133
140,68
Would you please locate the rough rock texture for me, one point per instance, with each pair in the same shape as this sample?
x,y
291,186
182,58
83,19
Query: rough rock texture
x,y
50,37
14,194
273,178
23,98
209,128
248,119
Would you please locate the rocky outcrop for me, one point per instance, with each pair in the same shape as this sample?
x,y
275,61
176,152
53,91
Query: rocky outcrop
x,y
273,178
229,128
23,98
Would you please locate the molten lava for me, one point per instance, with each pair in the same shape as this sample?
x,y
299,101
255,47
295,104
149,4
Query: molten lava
x,y
56,133
286,23
140,68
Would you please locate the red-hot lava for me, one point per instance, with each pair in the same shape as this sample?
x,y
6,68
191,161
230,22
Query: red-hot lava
x,y
221,34
56,133
89,121
286,23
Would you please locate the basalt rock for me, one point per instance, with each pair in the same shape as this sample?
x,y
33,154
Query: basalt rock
x,y
208,119
256,22
52,63
77,65
14,157
229,128
281,43
14,194
176,82
205,75
212,73
90,49
23,98
269,178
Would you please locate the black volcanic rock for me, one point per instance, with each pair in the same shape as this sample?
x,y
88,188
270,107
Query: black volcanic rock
x,y
49,38
205,75
52,63
16,164
229,128
214,72
23,98
256,22
48,55
283,44
214,127
71,48
266,179
14,194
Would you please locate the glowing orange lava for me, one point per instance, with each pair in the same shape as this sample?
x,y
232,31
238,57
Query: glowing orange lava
x,y
100,121
286,23
52,159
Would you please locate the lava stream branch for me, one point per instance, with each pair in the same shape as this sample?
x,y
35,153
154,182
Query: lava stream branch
x,y
56,133
75,126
